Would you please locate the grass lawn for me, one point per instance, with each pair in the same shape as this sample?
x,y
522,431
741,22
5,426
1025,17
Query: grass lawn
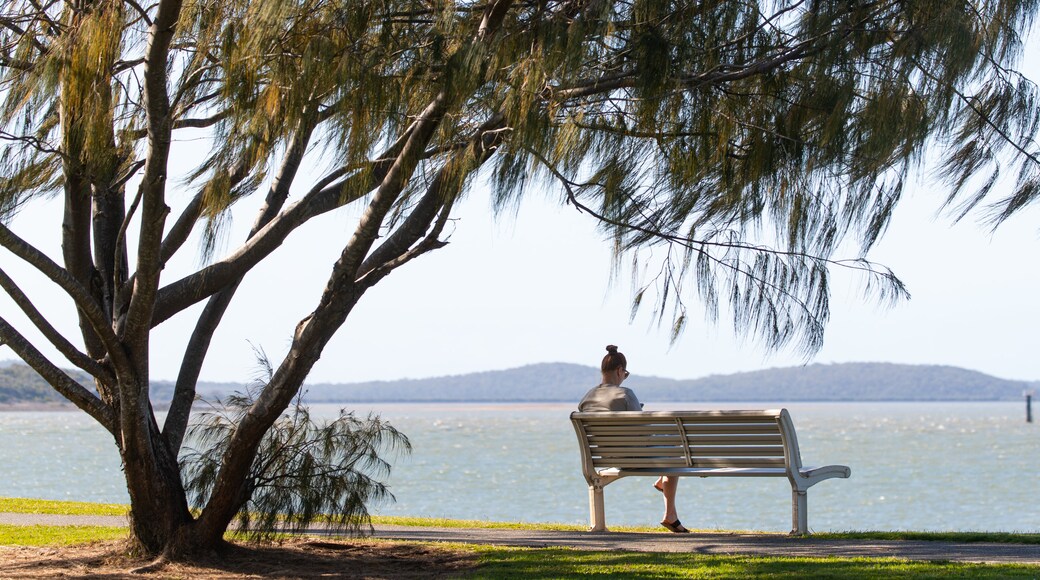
x,y
56,535
508,562
997,537
531,563
21,505
40,506
566,563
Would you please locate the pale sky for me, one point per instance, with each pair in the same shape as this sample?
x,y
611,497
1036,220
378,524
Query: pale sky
x,y
536,288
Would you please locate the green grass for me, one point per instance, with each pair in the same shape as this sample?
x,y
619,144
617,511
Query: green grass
x,y
476,524
566,563
505,562
486,525
39,506
997,537
20,505
56,535
966,537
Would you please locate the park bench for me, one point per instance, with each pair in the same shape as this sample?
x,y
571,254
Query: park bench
x,y
695,443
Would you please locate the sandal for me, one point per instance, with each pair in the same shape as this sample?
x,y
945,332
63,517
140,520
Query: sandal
x,y
675,527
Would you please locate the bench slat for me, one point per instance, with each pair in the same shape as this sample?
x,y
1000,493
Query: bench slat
x,y
736,439
628,429
720,462
688,427
693,432
648,426
697,462
623,418
639,462
710,471
695,439
639,452
745,451
749,428
696,451
635,441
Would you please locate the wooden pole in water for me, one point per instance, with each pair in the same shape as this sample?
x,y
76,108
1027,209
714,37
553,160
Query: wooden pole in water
x,y
1029,406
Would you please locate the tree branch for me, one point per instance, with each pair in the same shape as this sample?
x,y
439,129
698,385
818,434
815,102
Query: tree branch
x,y
153,184
199,123
85,303
195,354
441,193
68,388
59,342
317,329
327,195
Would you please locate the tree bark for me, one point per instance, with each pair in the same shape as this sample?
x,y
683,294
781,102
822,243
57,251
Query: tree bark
x,y
159,518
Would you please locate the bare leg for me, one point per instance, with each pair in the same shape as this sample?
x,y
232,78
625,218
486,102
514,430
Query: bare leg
x,y
668,487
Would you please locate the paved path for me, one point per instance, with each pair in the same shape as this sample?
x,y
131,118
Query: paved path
x,y
700,543
723,543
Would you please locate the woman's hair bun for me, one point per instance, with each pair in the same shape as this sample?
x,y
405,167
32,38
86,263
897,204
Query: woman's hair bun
x,y
611,349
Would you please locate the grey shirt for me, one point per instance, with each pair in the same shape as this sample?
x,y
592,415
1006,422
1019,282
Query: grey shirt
x,y
609,398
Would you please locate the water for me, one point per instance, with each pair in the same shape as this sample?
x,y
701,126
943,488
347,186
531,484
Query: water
x,y
915,466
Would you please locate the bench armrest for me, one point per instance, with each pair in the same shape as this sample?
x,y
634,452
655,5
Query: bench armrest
x,y
810,476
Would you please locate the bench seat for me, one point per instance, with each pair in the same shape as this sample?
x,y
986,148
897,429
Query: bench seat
x,y
741,443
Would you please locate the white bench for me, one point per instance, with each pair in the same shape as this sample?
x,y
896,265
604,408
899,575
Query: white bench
x,y
695,443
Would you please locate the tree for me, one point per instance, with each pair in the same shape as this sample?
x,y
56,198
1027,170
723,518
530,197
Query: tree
x,y
301,471
747,139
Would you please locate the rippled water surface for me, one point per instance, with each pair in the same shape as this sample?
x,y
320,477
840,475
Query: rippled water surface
x,y
920,466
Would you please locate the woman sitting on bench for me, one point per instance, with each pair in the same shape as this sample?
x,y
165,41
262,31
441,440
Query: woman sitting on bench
x,y
611,396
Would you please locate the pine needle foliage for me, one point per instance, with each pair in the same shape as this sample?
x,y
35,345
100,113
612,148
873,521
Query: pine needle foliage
x,y
736,153
303,473
692,124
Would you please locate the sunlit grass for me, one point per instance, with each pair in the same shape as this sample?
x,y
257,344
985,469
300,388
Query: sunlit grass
x,y
476,524
21,505
57,535
967,537
39,506
566,563
545,526
997,537
509,562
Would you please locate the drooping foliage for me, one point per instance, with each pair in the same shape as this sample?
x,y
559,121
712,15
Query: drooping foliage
x,y
303,471
738,144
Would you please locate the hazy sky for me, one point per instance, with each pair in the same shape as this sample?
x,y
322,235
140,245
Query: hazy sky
x,y
536,288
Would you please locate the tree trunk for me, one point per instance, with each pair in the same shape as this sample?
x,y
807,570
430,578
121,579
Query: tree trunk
x,y
160,522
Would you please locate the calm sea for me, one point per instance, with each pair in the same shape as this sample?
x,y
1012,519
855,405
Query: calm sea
x,y
916,466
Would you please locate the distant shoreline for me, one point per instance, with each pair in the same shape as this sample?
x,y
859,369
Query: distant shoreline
x,y
38,407
21,388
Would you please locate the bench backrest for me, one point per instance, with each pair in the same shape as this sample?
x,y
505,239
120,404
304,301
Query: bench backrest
x,y
681,439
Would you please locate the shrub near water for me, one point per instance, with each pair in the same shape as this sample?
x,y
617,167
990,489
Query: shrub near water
x,y
303,472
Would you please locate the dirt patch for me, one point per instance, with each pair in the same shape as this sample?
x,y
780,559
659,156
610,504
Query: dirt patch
x,y
297,558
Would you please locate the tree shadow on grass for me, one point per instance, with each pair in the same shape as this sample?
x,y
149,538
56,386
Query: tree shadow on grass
x,y
298,558
564,563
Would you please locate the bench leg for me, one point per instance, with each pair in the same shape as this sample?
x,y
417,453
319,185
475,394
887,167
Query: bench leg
x,y
799,512
597,519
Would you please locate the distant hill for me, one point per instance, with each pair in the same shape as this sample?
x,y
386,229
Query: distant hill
x,y
845,382
816,382
552,382
19,383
